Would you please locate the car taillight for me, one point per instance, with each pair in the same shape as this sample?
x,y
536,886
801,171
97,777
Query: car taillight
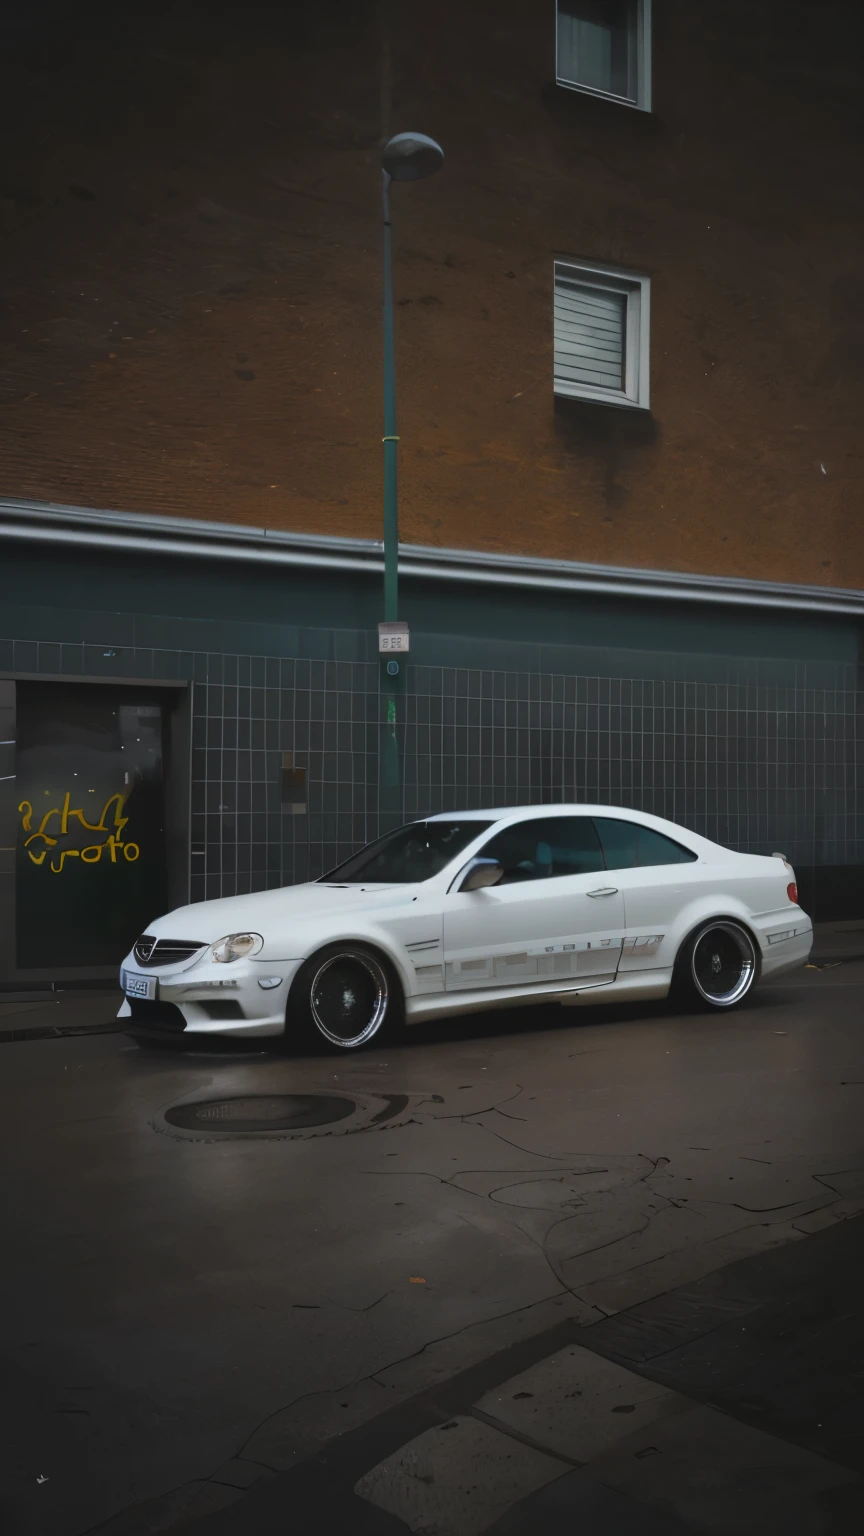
x,y
792,893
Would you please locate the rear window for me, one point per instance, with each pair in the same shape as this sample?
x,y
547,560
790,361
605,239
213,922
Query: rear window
x,y
627,845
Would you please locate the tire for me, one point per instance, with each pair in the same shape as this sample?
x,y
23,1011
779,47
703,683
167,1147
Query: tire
x,y
717,967
346,997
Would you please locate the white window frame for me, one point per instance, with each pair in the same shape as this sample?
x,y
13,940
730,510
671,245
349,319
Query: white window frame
x,y
643,64
636,288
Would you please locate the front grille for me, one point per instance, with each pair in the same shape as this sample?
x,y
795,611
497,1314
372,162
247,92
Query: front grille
x,y
156,1015
150,951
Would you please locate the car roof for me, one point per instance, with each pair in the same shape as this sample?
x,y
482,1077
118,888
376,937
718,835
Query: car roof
x,y
527,812
616,812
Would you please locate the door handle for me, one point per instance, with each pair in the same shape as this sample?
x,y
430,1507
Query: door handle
x,y
608,890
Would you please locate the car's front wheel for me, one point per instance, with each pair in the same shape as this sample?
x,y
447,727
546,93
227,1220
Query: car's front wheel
x,y
347,995
718,966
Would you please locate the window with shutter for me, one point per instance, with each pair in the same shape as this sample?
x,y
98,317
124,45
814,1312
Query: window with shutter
x,y
589,335
604,47
601,334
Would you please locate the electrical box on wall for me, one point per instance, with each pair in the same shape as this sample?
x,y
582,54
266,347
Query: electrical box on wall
x,y
293,786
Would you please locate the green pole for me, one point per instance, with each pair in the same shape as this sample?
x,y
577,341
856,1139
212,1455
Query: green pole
x,y
390,787
391,499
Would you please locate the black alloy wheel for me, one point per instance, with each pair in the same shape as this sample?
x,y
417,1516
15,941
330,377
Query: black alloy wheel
x,y
347,994
718,966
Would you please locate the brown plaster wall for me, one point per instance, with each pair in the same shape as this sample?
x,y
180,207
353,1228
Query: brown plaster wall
x,y
191,274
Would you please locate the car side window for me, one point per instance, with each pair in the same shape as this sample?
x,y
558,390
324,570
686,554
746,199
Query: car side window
x,y
627,845
546,847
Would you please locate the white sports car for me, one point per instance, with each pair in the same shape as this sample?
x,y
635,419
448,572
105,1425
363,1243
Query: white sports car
x,y
560,903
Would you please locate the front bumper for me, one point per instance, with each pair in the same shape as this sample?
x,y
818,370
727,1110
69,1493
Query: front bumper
x,y
212,999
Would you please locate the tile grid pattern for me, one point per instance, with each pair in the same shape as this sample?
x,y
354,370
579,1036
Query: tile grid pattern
x,y
756,766
325,713
743,764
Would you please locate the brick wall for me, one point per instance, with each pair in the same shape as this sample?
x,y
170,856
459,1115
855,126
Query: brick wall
x,y
191,259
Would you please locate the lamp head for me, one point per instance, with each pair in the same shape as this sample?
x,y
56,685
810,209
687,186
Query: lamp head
x,y
411,156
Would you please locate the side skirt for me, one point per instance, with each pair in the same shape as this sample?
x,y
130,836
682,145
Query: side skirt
x,y
634,987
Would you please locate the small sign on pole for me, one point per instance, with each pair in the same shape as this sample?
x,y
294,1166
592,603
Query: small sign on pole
x,y
393,636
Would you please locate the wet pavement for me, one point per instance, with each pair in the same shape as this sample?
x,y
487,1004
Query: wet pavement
x,y
191,1311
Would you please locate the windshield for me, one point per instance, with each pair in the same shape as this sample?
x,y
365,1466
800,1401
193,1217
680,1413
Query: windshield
x,y
415,852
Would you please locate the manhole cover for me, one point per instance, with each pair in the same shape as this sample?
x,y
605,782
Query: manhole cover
x,y
276,1112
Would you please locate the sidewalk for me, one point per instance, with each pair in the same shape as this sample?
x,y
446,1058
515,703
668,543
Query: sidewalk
x,y
758,1425
44,1017
734,1407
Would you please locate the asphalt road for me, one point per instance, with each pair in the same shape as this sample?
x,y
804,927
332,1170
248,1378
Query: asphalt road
x,y
184,1311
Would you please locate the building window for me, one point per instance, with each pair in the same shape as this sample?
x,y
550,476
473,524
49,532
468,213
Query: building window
x,y
601,334
604,47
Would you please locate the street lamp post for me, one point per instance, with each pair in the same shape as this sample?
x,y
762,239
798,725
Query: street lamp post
x,y
407,157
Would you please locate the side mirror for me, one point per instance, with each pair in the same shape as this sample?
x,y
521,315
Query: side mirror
x,y
480,874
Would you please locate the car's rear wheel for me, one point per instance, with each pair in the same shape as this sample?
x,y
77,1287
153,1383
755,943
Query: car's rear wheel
x,y
718,966
347,995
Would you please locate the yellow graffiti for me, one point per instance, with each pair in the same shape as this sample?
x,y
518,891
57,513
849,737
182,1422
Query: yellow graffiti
x,y
90,855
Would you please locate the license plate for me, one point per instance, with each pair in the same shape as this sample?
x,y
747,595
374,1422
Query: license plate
x,y
139,986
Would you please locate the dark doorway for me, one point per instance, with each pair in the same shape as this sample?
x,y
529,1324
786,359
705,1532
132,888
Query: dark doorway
x,y
91,856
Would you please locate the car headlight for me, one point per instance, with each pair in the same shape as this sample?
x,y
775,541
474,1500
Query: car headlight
x,y
236,947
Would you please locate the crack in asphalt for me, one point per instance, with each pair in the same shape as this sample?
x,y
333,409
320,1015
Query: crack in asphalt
x,y
342,1306
832,1322
528,1175
374,1303
493,1194
540,1244
763,1210
550,1156
469,1114
430,1343
834,1173
584,1253
102,1525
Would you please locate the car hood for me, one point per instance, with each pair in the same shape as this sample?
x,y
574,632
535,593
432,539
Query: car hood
x,y
266,911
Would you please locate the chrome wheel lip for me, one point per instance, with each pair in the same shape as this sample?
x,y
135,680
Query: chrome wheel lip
x,y
748,965
382,998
